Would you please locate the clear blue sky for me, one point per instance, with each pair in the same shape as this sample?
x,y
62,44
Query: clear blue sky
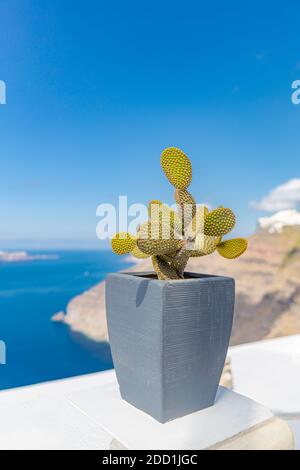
x,y
96,90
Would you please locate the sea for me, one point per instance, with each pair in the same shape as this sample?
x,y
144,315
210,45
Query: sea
x,y
37,349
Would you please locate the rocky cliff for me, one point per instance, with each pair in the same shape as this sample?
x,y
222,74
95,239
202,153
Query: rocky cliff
x,y
267,286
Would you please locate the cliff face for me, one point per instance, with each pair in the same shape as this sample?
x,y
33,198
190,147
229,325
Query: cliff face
x,y
267,287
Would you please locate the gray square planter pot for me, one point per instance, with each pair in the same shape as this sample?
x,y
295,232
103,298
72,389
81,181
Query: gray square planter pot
x,y
169,339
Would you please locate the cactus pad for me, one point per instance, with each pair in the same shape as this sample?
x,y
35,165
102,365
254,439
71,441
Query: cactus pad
x,y
177,167
179,261
186,206
169,220
197,224
182,196
219,222
153,206
157,247
154,240
204,244
163,269
232,248
123,243
137,253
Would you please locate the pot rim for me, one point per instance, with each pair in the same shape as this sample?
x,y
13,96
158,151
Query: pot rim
x,y
194,277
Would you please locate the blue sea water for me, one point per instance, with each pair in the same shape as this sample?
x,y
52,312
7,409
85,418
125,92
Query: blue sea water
x,y
38,349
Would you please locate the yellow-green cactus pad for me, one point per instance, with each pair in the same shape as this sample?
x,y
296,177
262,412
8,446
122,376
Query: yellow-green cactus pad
x,y
186,206
219,222
153,206
137,253
196,254
167,258
177,167
153,239
197,224
171,217
122,243
168,219
179,262
232,248
182,196
203,245
163,269
158,247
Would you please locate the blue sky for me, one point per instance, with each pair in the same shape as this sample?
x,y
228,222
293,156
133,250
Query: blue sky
x,y
96,90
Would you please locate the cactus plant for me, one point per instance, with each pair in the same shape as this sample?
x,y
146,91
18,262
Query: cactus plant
x,y
171,237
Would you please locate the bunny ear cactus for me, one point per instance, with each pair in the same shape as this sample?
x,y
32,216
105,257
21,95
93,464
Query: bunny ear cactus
x,y
171,237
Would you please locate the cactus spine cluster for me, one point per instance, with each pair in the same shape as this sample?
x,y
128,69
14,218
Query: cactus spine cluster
x,y
171,237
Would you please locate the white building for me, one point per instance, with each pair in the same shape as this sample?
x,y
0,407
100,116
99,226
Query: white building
x,y
279,220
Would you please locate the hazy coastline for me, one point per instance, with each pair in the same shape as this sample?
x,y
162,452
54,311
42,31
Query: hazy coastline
x,y
23,256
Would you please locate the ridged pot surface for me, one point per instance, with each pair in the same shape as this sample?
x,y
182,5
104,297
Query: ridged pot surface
x,y
169,339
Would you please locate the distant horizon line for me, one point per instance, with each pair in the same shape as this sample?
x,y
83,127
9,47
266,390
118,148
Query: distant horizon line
x,y
52,248
37,247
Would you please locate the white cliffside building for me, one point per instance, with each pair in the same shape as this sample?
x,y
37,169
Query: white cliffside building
x,y
276,222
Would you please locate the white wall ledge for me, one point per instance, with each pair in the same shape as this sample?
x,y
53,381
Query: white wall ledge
x,y
87,413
